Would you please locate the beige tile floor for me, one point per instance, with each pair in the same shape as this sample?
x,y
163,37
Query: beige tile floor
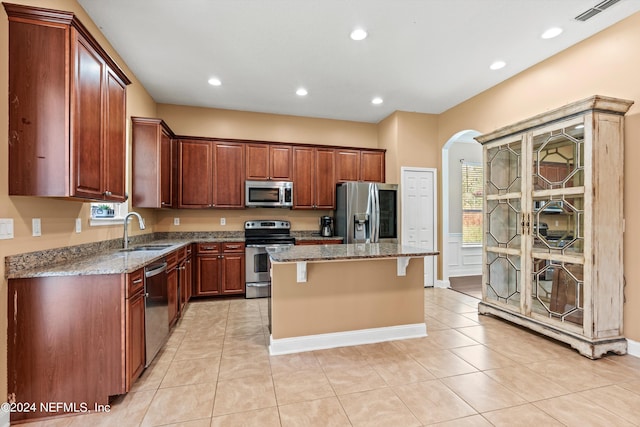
x,y
471,370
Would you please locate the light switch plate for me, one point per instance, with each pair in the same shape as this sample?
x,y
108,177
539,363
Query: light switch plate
x,y
36,227
6,228
78,225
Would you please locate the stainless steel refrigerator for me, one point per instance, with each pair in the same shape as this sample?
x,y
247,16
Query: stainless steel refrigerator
x,y
366,212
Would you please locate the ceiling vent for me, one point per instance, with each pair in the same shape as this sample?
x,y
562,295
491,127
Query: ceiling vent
x,y
590,13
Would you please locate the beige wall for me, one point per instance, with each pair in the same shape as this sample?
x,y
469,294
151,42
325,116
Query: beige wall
x,y
345,296
606,64
211,122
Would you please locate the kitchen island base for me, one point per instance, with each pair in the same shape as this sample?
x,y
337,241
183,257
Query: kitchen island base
x,y
345,302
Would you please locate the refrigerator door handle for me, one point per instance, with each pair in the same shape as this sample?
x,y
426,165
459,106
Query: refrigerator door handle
x,y
375,213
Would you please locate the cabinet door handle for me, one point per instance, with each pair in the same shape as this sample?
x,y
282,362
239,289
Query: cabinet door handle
x,y
135,282
107,193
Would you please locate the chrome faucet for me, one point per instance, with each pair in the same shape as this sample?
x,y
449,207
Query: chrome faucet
x,y
125,239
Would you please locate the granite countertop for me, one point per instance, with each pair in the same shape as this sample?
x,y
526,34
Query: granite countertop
x,y
107,260
113,261
346,252
107,257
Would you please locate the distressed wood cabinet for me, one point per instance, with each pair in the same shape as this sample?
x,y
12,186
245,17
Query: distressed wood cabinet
x,y
67,99
553,224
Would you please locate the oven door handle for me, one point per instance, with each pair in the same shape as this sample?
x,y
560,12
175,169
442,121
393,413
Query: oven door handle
x,y
258,284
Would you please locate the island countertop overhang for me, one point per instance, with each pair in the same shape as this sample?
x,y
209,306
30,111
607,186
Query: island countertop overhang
x,y
310,253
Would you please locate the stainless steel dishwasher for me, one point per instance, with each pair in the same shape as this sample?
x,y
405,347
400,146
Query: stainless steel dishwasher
x,y
156,309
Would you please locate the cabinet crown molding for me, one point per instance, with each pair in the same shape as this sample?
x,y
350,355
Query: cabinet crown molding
x,y
595,103
23,13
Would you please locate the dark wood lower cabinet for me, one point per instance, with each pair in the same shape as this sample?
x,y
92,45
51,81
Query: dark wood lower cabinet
x,y
185,278
65,341
220,269
172,293
135,338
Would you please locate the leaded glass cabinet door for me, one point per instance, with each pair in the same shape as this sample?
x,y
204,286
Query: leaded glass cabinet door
x,y
505,181
558,214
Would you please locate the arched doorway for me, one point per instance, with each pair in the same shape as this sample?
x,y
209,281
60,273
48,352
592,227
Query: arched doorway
x,y
457,259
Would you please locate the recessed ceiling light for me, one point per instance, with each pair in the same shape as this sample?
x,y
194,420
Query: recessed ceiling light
x,y
376,101
497,65
301,92
214,81
551,33
358,34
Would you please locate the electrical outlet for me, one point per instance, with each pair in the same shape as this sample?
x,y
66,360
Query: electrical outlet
x,y
556,223
78,225
223,221
176,221
6,228
36,227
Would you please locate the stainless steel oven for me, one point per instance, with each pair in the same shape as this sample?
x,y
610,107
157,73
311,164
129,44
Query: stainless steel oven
x,y
260,235
258,278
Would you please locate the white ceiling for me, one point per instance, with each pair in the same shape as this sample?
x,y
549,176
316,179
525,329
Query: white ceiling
x,y
421,55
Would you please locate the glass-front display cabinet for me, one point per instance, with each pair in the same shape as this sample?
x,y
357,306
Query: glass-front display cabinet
x,y
553,229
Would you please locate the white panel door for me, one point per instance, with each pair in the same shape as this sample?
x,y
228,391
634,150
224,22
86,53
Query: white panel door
x,y
419,215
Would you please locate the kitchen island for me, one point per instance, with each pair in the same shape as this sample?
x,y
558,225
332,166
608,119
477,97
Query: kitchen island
x,y
337,295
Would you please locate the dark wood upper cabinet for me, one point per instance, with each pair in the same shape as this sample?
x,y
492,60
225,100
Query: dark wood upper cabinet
x,y
325,178
269,162
314,178
67,102
360,165
347,165
372,166
195,171
210,174
154,161
228,176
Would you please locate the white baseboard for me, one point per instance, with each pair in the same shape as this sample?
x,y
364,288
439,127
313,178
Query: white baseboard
x,y
442,284
5,420
342,339
633,348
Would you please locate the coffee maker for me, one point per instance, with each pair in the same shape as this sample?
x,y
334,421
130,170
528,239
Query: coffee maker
x,y
326,226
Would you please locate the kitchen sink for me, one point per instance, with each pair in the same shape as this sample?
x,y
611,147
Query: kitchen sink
x,y
147,248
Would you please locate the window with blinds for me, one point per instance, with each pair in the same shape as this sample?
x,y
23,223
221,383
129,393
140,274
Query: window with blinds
x,y
471,203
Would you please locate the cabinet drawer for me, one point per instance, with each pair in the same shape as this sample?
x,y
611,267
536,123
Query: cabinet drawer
x,y
135,282
181,253
208,248
233,247
172,260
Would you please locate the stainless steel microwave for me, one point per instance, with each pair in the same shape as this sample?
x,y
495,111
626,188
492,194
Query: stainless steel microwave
x,y
268,194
